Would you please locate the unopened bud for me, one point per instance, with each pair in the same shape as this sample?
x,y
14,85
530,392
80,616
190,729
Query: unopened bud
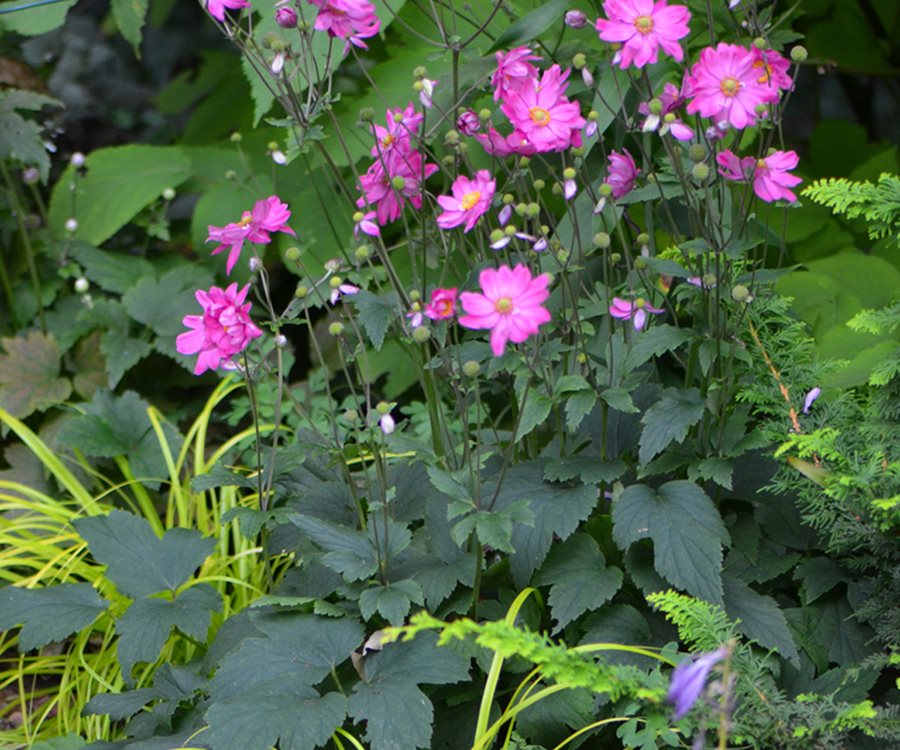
x,y
335,282
642,239
31,175
168,194
336,328
382,407
569,173
230,175
421,334
579,61
82,285
655,106
471,368
301,291
740,293
414,295
451,138
697,152
615,257
497,235
799,54
362,252
484,114
77,159
398,182
539,184
601,240
351,416
640,264
281,341
575,19
760,43
532,210
700,171
581,358
71,225
255,264
236,137
366,114
292,254
605,190
420,72
286,18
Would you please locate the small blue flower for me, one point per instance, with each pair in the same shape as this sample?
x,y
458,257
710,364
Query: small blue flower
x,y
689,678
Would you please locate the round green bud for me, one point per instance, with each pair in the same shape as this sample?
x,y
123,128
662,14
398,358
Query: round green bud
x,y
640,264
615,257
670,118
521,208
421,334
563,257
449,160
700,171
655,106
569,173
336,328
579,61
358,217
593,115
168,194
335,281
709,280
351,416
799,54
740,293
642,239
581,358
236,137
292,254
398,182
452,137
760,43
651,177
508,198
301,291
697,152
761,110
509,230
366,114
578,151
539,184
462,147
362,252
557,188
231,175
420,71
414,295
382,407
398,117
471,368
601,240
497,235
545,229
524,161
605,190
533,210
271,146
485,114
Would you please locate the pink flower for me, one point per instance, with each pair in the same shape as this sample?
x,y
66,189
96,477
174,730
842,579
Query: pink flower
x,y
470,201
389,183
726,85
468,123
772,68
286,18
665,120
366,225
510,305
269,215
514,70
643,26
622,173
353,20
340,290
426,93
216,8
222,331
575,19
636,311
400,127
543,115
771,181
502,146
442,305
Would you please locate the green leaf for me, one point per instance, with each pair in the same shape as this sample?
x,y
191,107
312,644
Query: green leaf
x,y
620,400
296,720
653,342
129,16
397,714
22,139
556,509
171,685
537,409
579,578
686,530
578,406
33,21
70,742
531,25
819,576
49,614
30,375
120,182
347,552
146,625
845,639
494,527
761,619
139,562
375,313
589,469
669,419
112,271
392,601
718,470
122,352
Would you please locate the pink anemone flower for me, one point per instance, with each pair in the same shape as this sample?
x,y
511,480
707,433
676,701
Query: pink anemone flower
x,y
442,305
223,330
514,70
269,215
470,201
622,173
635,311
643,26
771,178
217,8
353,20
510,305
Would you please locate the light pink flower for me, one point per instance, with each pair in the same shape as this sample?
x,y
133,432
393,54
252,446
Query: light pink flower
x,y
514,70
666,121
726,86
470,201
223,330
771,178
543,115
442,305
622,173
353,20
575,19
772,68
635,311
643,26
426,93
367,226
217,8
510,305
269,215
340,290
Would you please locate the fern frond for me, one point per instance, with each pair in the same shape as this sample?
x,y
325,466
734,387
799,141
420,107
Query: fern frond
x,y
878,204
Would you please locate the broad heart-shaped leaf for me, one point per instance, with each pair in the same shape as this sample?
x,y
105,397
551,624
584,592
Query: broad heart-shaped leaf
x,y
653,342
295,720
119,426
556,510
145,627
397,714
29,375
536,410
49,614
112,271
669,419
120,182
531,25
295,652
348,552
579,577
139,562
686,529
129,16
760,618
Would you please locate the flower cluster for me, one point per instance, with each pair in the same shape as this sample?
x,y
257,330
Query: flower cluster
x,y
353,20
770,176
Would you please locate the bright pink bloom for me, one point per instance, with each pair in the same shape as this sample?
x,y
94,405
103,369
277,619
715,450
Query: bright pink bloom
x,y
380,191
502,146
636,311
643,26
353,20
510,305
543,115
726,86
442,305
470,201
223,330
514,70
216,8
771,181
397,135
622,173
269,215
772,68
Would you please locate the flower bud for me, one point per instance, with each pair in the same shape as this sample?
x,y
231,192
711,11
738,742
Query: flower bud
x,y
398,182
697,152
601,240
581,358
642,239
760,43
579,61
799,54
335,282
168,194
301,291
420,72
236,137
255,264
709,280
292,254
532,210
497,235
615,257
362,252
539,184
471,368
740,293
230,175
77,159
336,328
484,115
521,208
451,138
281,341
71,225
351,416
31,175
468,123
557,188
605,190
383,407
700,171
524,161
655,106
640,264
414,295
366,114
569,173
509,230
286,18
421,334
82,285
575,19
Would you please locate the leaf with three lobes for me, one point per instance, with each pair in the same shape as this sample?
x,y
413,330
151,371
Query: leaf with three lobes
x,y
30,375
347,551
392,601
49,614
760,618
139,562
669,419
686,529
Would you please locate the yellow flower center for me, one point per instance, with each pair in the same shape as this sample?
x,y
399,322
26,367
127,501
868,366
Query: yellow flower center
x,y
539,116
469,200
387,140
761,164
503,305
640,302
245,219
445,307
766,72
730,86
643,24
